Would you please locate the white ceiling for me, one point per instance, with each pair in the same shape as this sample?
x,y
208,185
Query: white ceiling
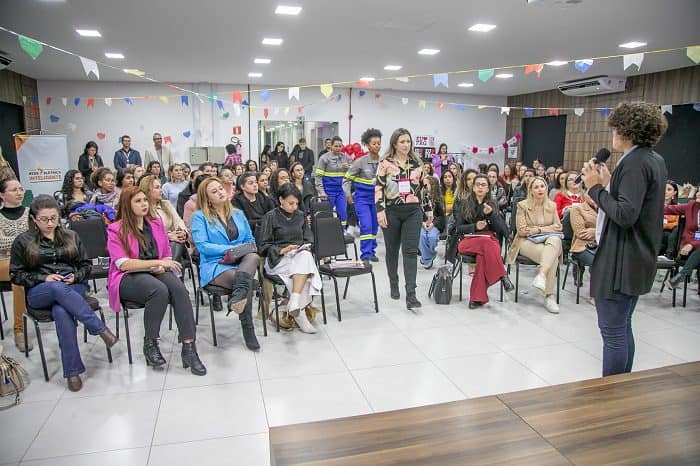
x,y
333,40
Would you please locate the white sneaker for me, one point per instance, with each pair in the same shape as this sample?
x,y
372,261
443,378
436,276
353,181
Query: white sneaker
x,y
539,282
304,324
550,303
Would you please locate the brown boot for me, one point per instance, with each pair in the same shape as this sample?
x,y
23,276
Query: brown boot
x,y
74,383
109,338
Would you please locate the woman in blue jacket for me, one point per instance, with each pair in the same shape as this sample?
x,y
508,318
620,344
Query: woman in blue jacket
x,y
216,228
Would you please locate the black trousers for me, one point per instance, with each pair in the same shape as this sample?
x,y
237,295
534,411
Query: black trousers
x,y
691,263
156,292
403,231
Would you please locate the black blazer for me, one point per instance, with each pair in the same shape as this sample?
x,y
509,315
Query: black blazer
x,y
634,210
84,166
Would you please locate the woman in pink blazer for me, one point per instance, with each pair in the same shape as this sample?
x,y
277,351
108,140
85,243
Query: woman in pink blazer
x,y
142,271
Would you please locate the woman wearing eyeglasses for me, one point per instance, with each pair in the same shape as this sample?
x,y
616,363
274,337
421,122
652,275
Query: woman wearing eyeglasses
x,y
51,263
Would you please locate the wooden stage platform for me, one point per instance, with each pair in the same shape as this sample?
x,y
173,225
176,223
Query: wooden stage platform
x,y
648,417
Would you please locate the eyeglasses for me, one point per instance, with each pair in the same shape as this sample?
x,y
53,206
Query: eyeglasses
x,y
481,185
47,220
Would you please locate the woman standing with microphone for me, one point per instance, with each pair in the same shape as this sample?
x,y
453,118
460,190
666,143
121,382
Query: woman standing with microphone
x,y
402,201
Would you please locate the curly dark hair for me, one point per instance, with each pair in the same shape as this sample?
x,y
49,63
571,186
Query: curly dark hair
x,y
369,134
641,122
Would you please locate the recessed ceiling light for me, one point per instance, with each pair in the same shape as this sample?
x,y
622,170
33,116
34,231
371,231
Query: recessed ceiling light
x,y
262,61
393,67
114,55
271,41
557,63
88,32
367,79
479,27
633,45
504,75
255,75
428,51
287,10
465,85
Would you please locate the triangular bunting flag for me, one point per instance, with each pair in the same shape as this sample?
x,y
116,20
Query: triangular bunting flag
x,y
293,93
76,101
237,109
338,97
167,140
553,111
667,109
485,75
35,100
326,90
186,134
491,150
632,59
441,79
164,99
64,101
583,65
404,100
300,109
604,112
32,47
264,95
403,80
219,104
101,136
54,118
377,96
237,97
693,53
421,103
505,110
90,66
184,100
108,101
245,104
266,112
48,101
128,101
91,103
578,111
460,107
362,92
225,115
529,111
440,105
286,111
363,83
537,68
481,107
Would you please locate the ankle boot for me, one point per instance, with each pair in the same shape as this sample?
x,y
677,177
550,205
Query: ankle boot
x,y
507,284
152,353
246,318
216,303
190,359
411,301
675,281
395,294
109,338
239,292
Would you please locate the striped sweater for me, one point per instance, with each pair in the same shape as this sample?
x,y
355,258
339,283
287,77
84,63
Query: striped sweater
x,y
11,229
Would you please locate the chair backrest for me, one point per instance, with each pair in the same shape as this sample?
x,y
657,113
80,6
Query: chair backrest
x,y
329,240
567,229
514,213
93,234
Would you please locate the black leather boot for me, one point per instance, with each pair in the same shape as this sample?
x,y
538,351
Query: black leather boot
x,y
395,294
246,318
507,284
239,294
216,303
411,301
190,359
152,353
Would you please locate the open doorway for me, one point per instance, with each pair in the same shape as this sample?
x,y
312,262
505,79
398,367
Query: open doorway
x,y
289,132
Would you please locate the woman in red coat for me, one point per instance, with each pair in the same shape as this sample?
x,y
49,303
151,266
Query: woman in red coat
x,y
570,194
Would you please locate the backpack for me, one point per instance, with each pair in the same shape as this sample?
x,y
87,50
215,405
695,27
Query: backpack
x,y
13,379
441,286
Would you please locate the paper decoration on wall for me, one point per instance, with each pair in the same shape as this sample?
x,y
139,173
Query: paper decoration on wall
x,y
54,118
553,111
128,101
440,105
64,101
237,109
505,110
362,92
293,93
300,109
404,100
376,96
219,104
266,112
35,100
187,134
72,127
326,90
441,79
184,101
604,112
32,47
578,111
529,111
167,140
421,104
632,59
264,95
286,111
48,101
667,109
460,107
101,136
91,103
403,80
225,115
363,83
108,101
537,68
693,53
583,65
134,71
481,107
237,97
485,75
491,150
90,66
76,101
245,104
164,99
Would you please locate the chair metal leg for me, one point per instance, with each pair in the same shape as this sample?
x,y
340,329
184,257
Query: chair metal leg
x,y
277,308
566,274
354,245
94,285
323,306
261,311
128,336
41,350
345,293
461,266
84,334
196,305
109,351
4,307
213,325
501,291
517,280
558,278
170,317
116,318
337,297
685,288
24,330
374,290
578,283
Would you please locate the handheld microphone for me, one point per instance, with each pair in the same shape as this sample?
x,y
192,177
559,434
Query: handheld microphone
x,y
602,155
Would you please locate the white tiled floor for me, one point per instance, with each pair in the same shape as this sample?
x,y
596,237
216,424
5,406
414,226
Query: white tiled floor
x,y
131,414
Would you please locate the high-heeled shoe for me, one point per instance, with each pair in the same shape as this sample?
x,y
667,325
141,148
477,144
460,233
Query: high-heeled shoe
x,y
152,353
240,288
190,359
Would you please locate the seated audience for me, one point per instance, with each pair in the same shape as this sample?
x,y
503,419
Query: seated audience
x,y
126,178
142,271
669,240
228,180
216,228
251,166
191,204
559,184
264,186
690,238
175,185
154,168
497,190
456,170
163,210
537,215
432,226
477,223
73,192
583,221
448,187
185,194
296,172
520,191
51,264
106,192
570,195
253,203
14,219
277,180
282,231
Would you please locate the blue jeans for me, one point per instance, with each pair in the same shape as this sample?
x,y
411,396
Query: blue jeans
x,y
68,306
427,244
615,323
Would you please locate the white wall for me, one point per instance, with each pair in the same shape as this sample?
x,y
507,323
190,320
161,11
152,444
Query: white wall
x,y
208,127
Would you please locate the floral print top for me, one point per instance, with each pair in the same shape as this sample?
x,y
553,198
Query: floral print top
x,y
401,184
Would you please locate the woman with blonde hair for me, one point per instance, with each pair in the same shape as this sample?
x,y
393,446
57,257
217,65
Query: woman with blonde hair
x,y
539,238
162,209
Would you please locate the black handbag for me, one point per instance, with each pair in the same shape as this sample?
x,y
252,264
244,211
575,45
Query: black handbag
x,y
234,255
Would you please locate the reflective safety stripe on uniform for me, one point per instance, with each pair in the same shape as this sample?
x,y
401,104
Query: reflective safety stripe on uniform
x,y
333,186
367,216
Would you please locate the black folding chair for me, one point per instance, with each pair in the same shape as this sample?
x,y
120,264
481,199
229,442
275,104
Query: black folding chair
x,y
93,234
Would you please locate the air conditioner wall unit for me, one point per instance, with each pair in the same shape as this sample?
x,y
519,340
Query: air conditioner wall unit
x,y
596,85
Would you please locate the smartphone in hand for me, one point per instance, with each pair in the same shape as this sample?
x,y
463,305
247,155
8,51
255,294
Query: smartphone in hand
x,y
66,276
